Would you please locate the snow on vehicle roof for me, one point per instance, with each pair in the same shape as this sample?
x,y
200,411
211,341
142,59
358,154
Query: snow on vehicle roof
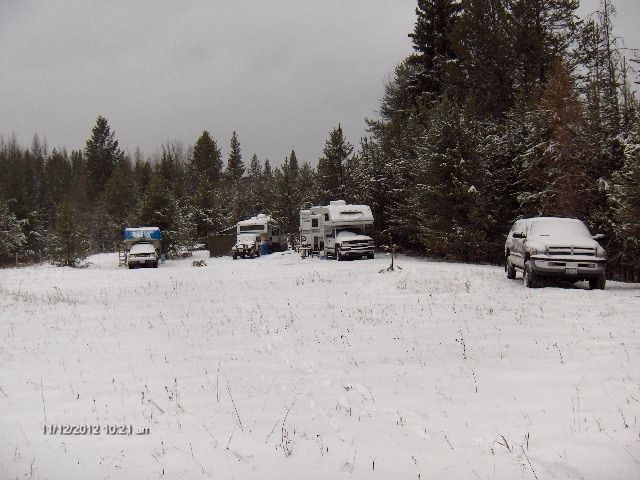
x,y
349,213
142,248
141,229
259,219
558,227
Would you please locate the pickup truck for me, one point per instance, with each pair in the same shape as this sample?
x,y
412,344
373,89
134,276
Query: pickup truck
x,y
247,245
142,255
552,247
349,243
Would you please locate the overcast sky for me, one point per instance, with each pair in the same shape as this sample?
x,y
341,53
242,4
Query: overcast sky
x,y
282,73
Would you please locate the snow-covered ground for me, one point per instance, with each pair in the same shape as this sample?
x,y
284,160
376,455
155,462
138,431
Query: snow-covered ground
x,y
291,368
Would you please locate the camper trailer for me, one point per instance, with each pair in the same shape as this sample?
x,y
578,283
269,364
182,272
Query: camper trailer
x,y
257,235
142,246
338,230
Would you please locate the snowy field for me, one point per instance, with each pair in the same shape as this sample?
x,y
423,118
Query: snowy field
x,y
280,367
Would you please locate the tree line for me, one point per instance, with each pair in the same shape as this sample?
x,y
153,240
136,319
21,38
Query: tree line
x,y
506,109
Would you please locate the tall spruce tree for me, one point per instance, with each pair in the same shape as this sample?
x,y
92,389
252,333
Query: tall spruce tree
x,y
207,159
205,171
436,20
286,206
330,175
102,155
235,166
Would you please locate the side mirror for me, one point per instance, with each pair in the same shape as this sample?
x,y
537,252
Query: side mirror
x,y
599,236
519,235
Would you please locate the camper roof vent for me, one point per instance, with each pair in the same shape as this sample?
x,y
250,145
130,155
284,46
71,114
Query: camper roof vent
x,y
337,202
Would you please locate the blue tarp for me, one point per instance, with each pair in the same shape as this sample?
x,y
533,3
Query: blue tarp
x,y
151,233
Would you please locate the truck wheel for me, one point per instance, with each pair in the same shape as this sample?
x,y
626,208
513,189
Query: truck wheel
x,y
370,256
155,265
339,257
510,269
251,255
258,253
530,280
597,283
235,256
130,267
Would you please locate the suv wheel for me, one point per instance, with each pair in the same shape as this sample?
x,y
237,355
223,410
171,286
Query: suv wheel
x,y
530,280
597,283
510,269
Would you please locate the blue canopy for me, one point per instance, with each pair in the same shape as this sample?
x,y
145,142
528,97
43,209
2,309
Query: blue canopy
x,y
150,233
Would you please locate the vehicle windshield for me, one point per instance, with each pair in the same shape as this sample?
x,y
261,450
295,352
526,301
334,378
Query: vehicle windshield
x,y
246,238
354,230
560,227
142,248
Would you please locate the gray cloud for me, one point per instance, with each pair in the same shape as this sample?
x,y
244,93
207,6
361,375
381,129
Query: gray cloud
x,y
281,73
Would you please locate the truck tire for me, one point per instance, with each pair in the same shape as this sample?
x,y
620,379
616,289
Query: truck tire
x,y
370,256
597,283
251,255
235,256
530,279
339,256
510,269
130,267
155,265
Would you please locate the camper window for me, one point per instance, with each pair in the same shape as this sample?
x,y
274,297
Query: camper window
x,y
314,223
326,217
252,228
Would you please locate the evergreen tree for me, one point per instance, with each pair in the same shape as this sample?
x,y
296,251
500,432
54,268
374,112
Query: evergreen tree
x,y
286,206
12,239
207,159
102,156
436,20
267,187
235,166
624,198
142,174
68,242
481,43
56,183
553,167
235,187
541,32
156,207
330,177
294,168
448,202
207,196
307,186
254,199
118,199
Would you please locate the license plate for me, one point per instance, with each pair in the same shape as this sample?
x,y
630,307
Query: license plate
x,y
571,271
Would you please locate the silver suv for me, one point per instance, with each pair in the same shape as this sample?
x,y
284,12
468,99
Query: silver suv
x,y
555,247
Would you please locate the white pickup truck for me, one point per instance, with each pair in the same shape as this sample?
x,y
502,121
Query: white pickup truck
x,y
142,255
339,230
